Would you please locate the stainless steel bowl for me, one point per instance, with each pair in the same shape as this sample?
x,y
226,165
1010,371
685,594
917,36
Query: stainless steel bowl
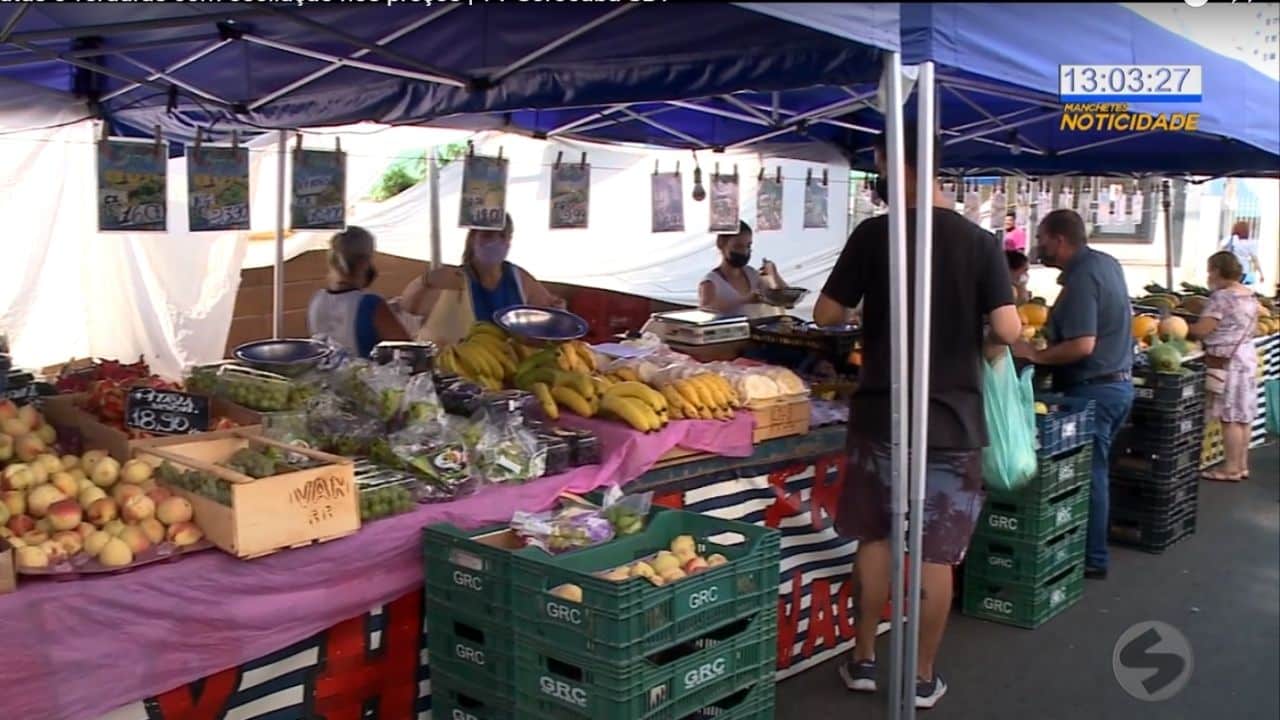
x,y
538,323
288,357
783,297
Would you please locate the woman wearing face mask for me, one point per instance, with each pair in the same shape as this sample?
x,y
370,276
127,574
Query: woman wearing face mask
x,y
346,311
452,299
734,284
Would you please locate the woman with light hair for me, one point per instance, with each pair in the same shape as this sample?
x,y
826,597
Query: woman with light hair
x,y
346,311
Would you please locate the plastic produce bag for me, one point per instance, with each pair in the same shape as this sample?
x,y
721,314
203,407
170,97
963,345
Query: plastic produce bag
x,y
1009,460
508,452
627,513
421,403
376,390
437,454
568,528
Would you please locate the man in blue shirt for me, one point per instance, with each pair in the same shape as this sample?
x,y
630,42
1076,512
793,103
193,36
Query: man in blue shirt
x,y
1090,353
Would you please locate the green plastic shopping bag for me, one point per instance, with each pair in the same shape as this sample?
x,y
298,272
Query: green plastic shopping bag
x,y
1273,406
1009,460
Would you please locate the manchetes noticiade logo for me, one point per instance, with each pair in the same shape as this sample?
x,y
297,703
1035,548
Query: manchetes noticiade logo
x,y
1116,117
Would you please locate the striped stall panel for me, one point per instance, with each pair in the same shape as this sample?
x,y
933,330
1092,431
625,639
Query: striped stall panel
x,y
1268,347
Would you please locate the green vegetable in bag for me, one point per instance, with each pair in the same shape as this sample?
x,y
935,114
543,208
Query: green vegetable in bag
x,y
1009,460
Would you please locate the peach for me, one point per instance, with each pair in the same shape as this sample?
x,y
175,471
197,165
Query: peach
x,y
20,525
158,495
80,477
28,447
18,477
15,500
65,515
64,482
14,427
32,558
136,509
14,541
35,537
174,510
86,529
89,459
8,410
41,497
30,417
6,447
47,434
123,491
148,486
4,515
70,463
105,472
153,529
696,565
103,511
90,496
51,463
114,528
95,542
56,553
39,473
184,533
70,541
115,553
44,526
135,471
137,540
4,531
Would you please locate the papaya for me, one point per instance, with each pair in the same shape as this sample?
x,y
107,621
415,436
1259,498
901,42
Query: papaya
x,y
1173,328
1144,325
1033,314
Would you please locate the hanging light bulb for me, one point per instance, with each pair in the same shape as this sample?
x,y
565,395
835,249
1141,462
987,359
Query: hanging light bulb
x,y
699,192
1015,143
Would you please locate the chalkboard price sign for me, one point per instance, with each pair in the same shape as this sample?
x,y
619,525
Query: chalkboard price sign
x,y
166,412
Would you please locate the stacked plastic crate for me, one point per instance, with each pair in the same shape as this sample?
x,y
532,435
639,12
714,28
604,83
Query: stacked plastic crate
x,y
507,641
1156,460
1026,562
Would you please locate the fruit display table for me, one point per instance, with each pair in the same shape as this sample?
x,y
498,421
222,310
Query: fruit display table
x,y
328,629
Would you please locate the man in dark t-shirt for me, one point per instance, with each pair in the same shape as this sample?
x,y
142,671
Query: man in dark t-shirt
x,y
970,289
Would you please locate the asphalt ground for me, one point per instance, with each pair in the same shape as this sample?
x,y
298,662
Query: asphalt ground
x,y
1220,588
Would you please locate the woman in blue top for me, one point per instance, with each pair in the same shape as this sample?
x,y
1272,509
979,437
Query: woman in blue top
x,y
452,299
345,311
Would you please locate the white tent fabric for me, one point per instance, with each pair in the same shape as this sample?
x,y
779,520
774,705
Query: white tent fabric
x,y
617,251
68,291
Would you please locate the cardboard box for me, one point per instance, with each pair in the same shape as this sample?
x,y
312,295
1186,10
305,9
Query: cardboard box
x,y
65,411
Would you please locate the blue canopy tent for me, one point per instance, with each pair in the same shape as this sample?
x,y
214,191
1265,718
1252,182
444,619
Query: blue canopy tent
x,y
998,101
181,67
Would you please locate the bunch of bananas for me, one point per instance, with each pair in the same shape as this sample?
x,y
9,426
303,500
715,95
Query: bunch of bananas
x,y
542,375
706,396
487,357
635,404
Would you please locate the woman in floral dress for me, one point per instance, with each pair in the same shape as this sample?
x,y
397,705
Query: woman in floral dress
x,y
1226,327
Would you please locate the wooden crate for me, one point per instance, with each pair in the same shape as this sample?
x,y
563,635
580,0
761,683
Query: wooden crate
x,y
64,411
779,418
266,514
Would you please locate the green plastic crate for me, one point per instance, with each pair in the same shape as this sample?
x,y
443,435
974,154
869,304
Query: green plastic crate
x,y
1024,561
1053,475
465,645
1023,605
621,622
461,571
666,686
1034,520
755,703
453,698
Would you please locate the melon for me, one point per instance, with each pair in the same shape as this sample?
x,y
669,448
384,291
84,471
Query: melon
x,y
1173,328
1033,314
1144,326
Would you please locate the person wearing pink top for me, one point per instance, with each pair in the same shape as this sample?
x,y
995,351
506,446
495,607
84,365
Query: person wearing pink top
x,y
1015,238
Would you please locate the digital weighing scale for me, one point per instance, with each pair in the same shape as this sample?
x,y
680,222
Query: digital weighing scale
x,y
696,327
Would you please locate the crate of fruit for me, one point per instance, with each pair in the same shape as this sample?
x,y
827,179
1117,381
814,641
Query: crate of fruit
x,y
1133,462
1065,423
470,569
1025,561
253,495
553,685
683,575
1035,519
1023,605
1168,390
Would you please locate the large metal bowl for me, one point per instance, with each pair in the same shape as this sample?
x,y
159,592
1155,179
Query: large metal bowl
x,y
288,357
783,297
539,323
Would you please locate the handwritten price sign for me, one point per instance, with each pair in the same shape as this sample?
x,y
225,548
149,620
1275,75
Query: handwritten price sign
x,y
166,412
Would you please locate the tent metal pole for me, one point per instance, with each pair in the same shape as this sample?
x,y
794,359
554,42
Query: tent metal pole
x,y
168,69
561,42
133,27
794,121
14,18
433,186
743,106
664,128
620,120
984,112
997,91
1003,128
750,119
585,119
1166,204
1100,143
926,97
153,74
898,353
312,77
277,277
360,64
777,105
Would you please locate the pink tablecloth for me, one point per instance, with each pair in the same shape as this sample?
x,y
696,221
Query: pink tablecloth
x,y
77,650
